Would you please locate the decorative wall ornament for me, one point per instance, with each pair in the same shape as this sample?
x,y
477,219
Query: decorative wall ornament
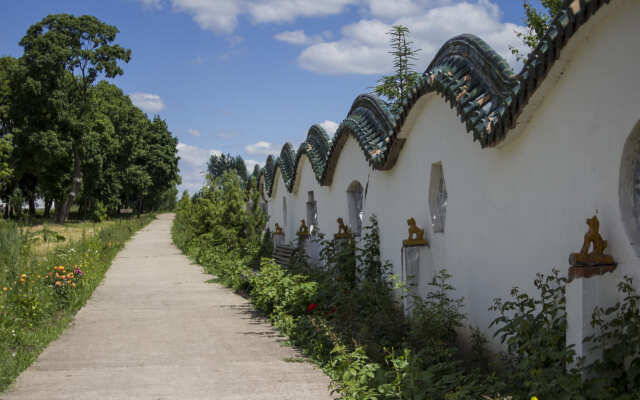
x,y
303,231
278,230
588,263
343,230
416,235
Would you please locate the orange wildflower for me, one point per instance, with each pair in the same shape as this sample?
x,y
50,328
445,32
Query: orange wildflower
x,y
4,289
58,283
23,276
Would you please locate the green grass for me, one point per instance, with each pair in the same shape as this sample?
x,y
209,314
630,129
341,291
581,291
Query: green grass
x,y
33,310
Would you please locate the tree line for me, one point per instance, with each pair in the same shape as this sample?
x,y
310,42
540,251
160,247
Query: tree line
x,y
69,137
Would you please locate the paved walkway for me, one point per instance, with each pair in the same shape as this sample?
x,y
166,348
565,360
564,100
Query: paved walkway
x,y
155,330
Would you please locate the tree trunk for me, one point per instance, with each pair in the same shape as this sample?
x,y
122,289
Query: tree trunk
x,y
139,206
76,182
32,205
47,207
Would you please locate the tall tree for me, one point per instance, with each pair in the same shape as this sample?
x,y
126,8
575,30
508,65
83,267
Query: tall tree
x,y
218,164
394,87
69,54
537,22
8,65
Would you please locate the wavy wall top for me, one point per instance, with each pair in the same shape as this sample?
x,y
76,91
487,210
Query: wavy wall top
x,y
481,86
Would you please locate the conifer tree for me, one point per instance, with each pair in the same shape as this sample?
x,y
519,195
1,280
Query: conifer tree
x,y
394,87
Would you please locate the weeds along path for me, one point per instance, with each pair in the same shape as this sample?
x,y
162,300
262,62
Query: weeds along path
x,y
156,330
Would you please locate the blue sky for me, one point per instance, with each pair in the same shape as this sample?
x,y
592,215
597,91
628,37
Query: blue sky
x,y
245,76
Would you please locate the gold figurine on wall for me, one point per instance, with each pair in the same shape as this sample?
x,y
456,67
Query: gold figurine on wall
x,y
304,229
416,235
343,230
279,230
592,238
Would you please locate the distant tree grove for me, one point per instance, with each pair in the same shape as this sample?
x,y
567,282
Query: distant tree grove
x,y
69,137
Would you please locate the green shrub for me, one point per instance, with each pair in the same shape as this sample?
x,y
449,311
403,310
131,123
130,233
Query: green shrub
x,y
534,330
99,212
616,375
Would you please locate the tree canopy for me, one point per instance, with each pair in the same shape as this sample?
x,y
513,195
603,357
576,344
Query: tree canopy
x,y
218,164
67,136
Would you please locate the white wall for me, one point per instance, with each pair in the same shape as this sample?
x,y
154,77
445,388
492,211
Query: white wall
x,y
514,210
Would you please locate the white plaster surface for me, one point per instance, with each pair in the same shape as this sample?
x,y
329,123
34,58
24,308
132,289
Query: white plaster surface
x,y
519,208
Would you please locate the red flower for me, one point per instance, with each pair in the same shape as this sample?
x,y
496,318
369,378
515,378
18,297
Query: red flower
x,y
311,307
332,310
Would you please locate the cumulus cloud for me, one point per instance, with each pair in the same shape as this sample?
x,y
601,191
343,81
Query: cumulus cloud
x,y
251,164
193,165
193,132
262,148
329,126
364,45
151,103
297,37
288,10
222,15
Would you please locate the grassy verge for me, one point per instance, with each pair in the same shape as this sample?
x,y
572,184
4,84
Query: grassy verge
x,y
41,292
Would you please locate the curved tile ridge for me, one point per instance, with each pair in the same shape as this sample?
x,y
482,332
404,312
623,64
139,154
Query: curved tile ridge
x,y
476,81
316,147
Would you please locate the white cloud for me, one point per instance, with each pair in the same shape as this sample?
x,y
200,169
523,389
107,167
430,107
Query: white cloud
x,y
329,126
222,15
262,148
193,165
289,10
364,45
251,164
297,37
151,103
216,15
193,132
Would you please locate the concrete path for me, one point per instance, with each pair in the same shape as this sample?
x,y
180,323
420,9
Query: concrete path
x,y
155,330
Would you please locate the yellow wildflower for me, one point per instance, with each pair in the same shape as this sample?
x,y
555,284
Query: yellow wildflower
x,y
534,398
23,276
73,285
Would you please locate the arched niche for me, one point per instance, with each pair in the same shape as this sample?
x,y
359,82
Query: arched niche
x,y
437,198
355,207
